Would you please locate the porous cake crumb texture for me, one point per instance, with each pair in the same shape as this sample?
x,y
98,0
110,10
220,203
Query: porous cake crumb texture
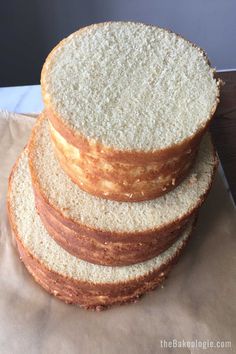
x,y
130,86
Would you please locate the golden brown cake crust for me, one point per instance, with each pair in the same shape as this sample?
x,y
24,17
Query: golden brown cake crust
x,y
109,248
109,253
93,296
129,176
110,176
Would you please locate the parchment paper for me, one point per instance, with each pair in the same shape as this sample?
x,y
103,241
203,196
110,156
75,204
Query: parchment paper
x,y
197,302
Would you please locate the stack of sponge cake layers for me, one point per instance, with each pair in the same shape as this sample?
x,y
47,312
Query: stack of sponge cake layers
x,y
104,197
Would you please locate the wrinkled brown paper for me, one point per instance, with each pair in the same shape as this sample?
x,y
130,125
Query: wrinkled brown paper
x,y
197,302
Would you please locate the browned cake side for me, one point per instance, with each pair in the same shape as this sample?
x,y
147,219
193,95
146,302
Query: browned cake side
x,y
129,176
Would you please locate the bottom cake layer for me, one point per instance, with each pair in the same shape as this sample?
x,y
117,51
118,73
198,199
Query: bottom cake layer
x,y
67,277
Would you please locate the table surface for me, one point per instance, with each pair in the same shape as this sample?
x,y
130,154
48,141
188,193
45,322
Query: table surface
x,y
27,99
21,99
223,129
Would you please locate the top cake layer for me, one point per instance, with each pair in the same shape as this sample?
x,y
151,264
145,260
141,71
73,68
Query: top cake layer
x,y
130,86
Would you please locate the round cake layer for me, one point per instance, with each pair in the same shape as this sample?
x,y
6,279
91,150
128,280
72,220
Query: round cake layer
x,y
130,86
128,105
107,232
65,276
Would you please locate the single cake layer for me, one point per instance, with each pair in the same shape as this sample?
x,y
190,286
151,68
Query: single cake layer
x,y
128,105
130,86
106,232
106,215
67,277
